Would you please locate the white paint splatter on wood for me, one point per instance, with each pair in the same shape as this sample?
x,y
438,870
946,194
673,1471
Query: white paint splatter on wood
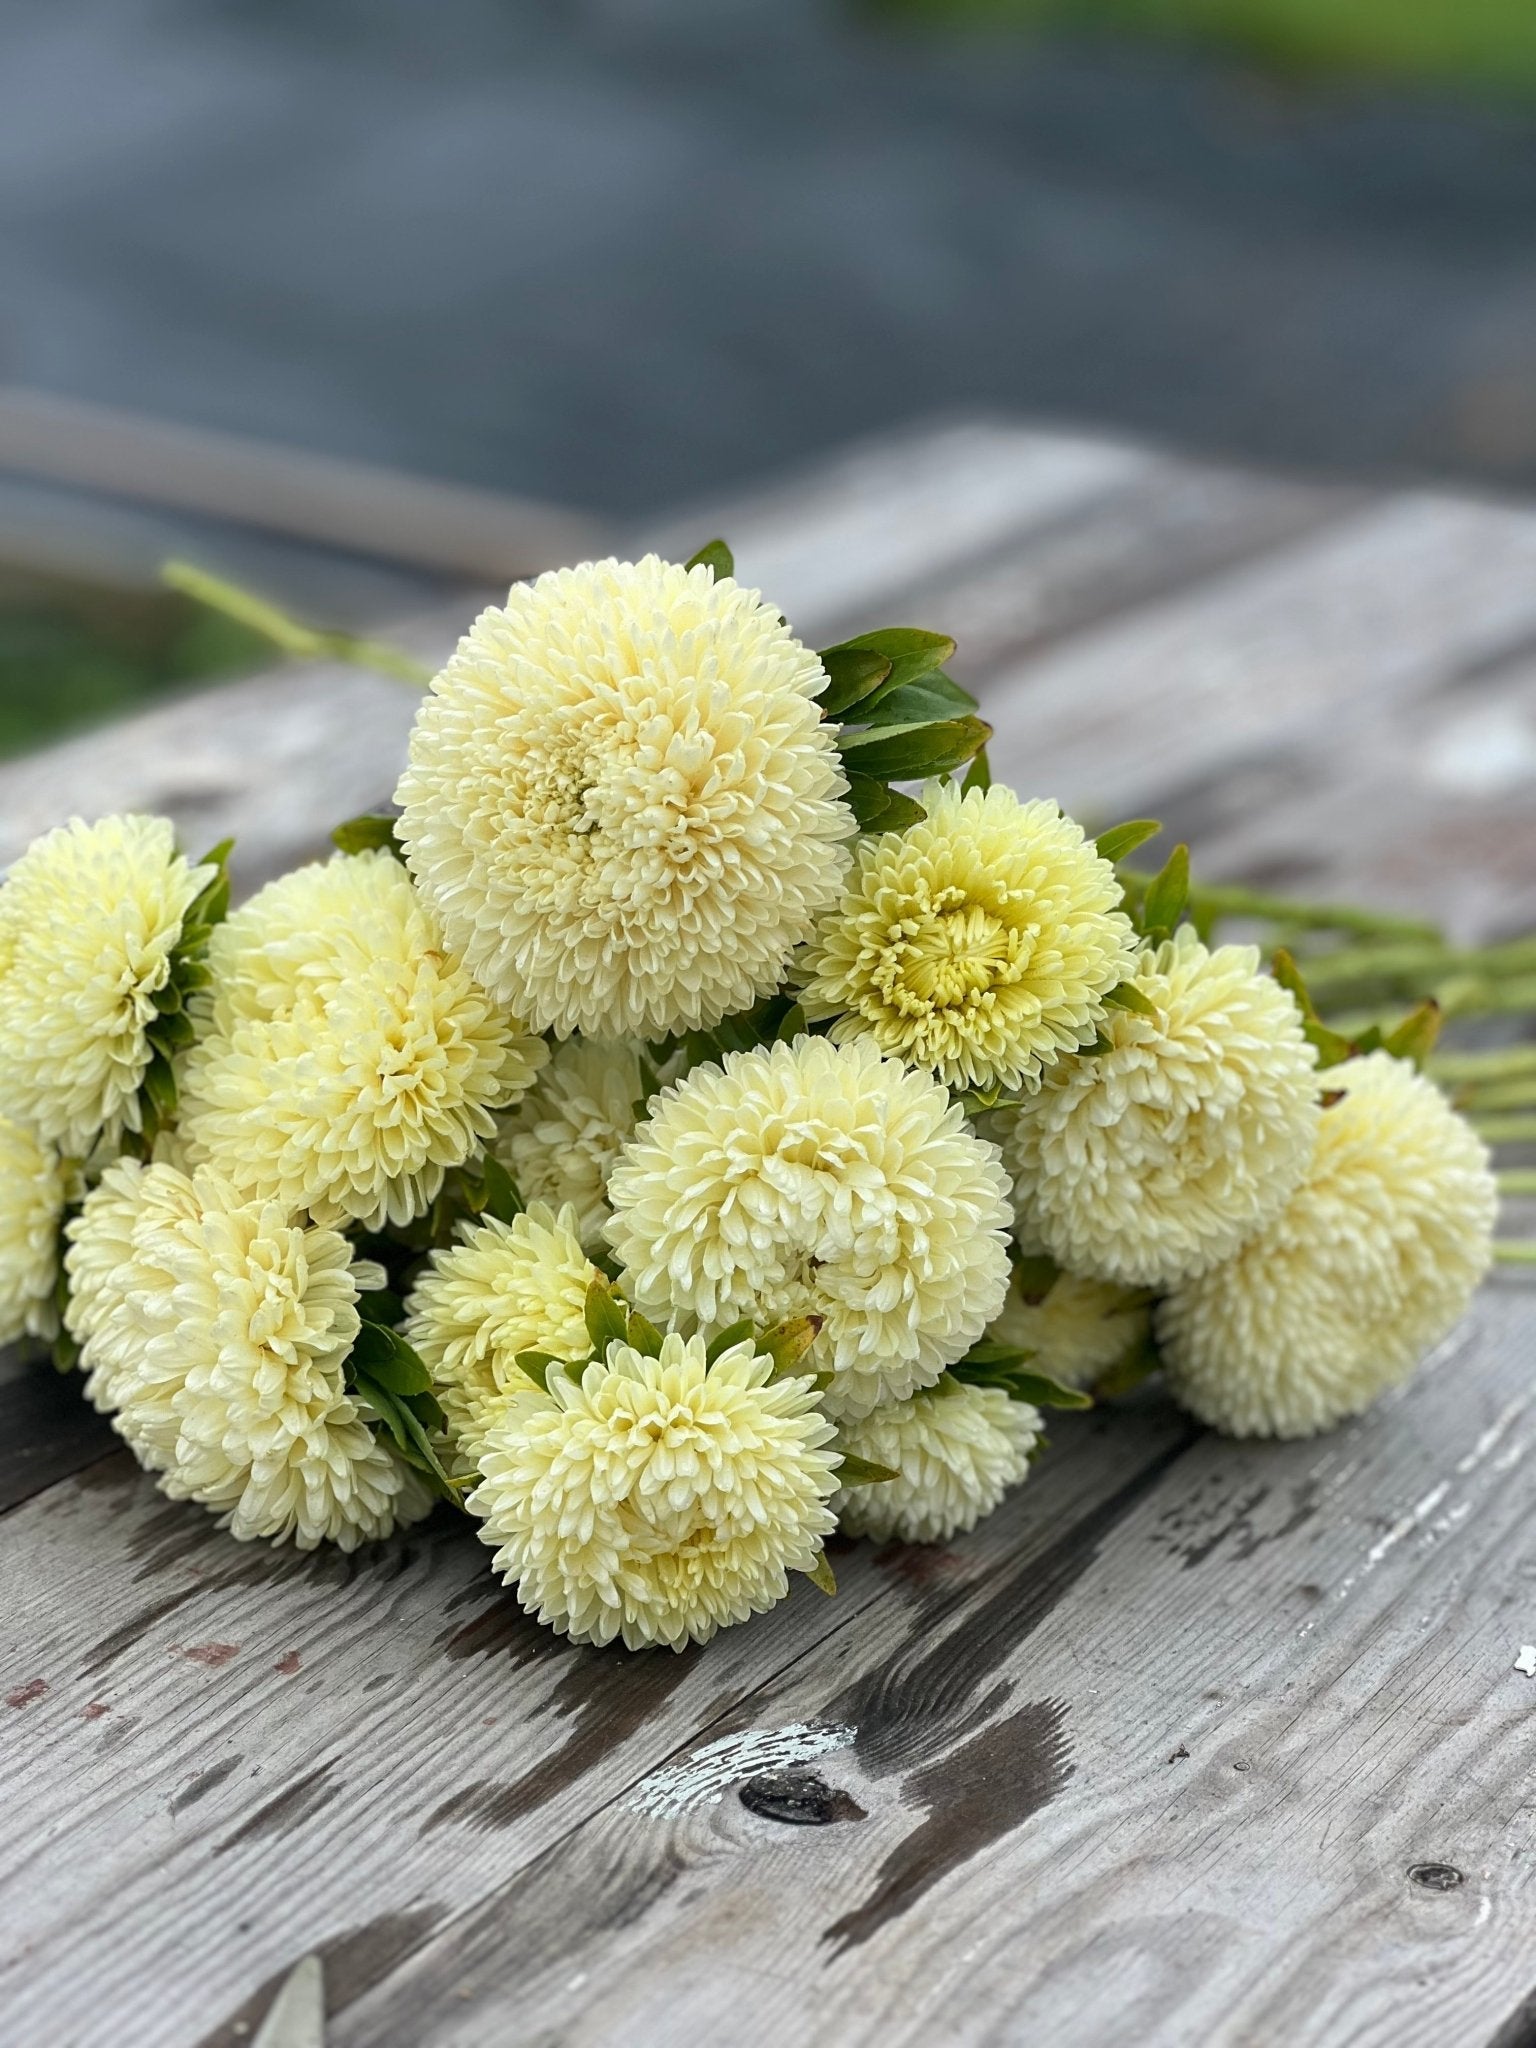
x,y
702,1777
1525,1663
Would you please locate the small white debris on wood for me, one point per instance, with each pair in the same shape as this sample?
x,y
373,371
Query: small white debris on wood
x,y
701,1778
1525,1663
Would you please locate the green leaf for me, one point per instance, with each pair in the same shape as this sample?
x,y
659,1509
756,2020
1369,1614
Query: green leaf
x,y
794,1025
501,1197
723,1340
1127,996
643,1334
862,1471
852,672
1120,841
822,1576
905,643
979,774
1041,1391
902,754
1167,893
990,1354
367,833
171,1033
1036,1274
381,1305
931,696
607,1322
1139,1362
1332,1047
788,1342
384,1408
536,1364
713,555
426,1451
159,1089
216,856
383,1355
879,809
1414,1039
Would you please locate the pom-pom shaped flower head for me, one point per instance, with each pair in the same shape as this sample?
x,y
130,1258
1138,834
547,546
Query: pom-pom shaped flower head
x,y
1076,1329
1155,1159
818,1179
565,1136
348,1058
34,1186
657,1499
1371,1262
506,1288
955,1451
216,1332
978,943
622,800
91,919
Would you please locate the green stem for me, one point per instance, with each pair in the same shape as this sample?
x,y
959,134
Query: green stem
x,y
1513,1251
1519,1180
1497,1063
1505,1130
1504,1095
1418,966
1231,900
307,643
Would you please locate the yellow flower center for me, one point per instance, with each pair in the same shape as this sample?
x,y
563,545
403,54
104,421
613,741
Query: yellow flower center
x,y
949,958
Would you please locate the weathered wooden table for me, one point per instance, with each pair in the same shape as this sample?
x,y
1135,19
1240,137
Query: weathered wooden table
x,y
1192,1743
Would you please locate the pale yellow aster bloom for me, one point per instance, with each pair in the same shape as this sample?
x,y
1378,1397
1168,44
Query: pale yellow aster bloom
x,y
623,801
1372,1261
122,1309
215,1331
564,1138
979,942
955,1451
505,1288
348,1059
34,1186
1156,1159
657,1500
818,1179
1077,1329
90,919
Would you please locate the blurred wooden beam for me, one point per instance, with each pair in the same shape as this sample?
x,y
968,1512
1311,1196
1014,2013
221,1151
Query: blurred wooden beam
x,y
448,528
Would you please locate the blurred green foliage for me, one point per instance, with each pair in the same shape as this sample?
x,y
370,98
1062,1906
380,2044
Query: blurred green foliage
x,y
1488,44
73,655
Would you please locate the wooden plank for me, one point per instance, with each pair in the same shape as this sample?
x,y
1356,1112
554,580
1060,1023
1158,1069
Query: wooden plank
x,y
1431,809
451,528
282,1752
47,1429
1244,1759
839,545
1323,638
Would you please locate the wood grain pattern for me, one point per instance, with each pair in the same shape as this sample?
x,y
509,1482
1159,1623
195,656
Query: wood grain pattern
x,y
1167,1780
1155,1755
387,1732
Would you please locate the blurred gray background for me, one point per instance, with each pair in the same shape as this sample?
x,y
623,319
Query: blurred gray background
x,y
622,253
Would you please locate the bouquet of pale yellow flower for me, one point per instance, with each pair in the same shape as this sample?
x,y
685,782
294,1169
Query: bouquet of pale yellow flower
x,y
705,1114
